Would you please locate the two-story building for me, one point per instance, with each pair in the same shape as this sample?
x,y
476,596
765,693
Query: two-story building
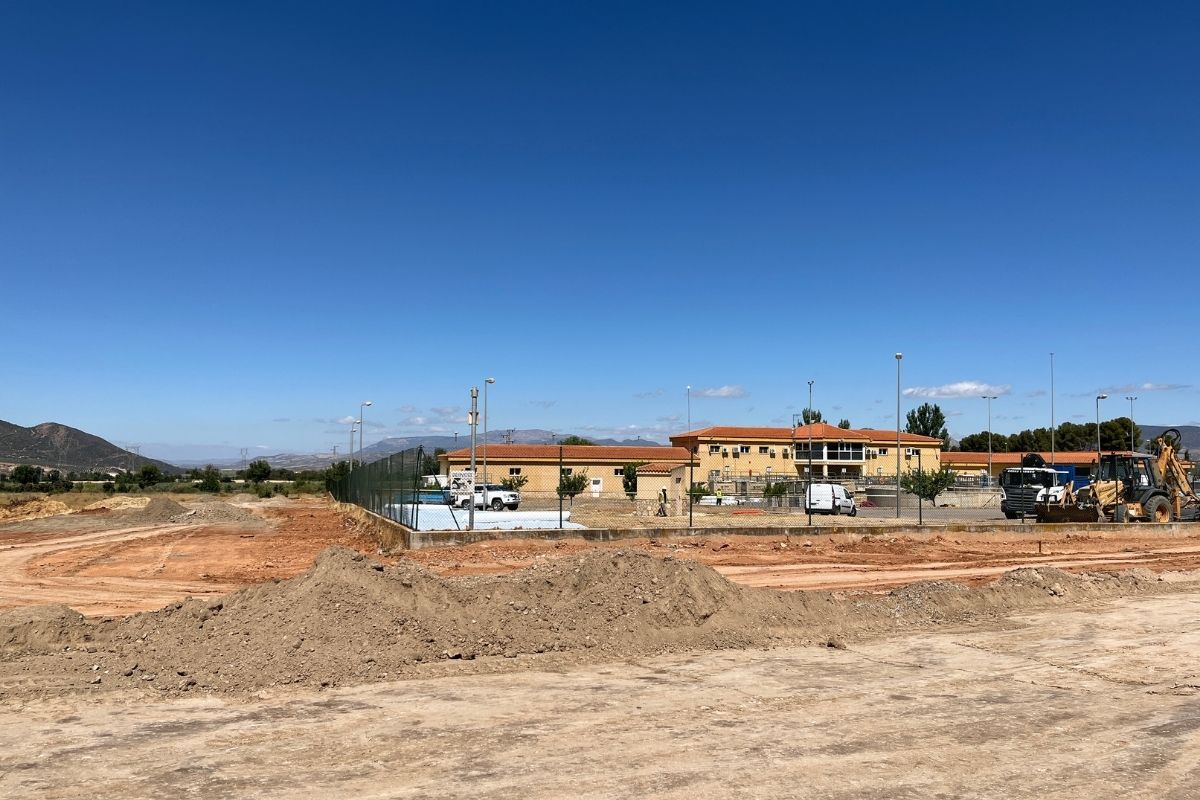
x,y
727,453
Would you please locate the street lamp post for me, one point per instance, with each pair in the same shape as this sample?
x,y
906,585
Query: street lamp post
x,y
474,420
486,383
989,398
1132,443
1052,459
353,428
809,423
899,358
361,406
1099,397
691,456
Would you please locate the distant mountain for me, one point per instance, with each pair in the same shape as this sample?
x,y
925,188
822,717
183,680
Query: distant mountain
x,y
391,446
1190,435
62,447
387,447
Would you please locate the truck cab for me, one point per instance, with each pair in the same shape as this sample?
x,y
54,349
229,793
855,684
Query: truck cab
x,y
1021,487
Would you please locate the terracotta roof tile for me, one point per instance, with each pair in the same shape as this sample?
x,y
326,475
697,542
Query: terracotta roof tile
x,y
820,430
660,467
571,452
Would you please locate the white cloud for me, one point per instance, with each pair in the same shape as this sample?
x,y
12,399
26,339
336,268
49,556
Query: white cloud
x,y
727,391
1143,387
1036,393
415,421
650,394
408,409
959,389
543,403
346,420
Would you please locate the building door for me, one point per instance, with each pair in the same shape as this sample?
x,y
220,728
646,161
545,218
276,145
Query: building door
x,y
597,486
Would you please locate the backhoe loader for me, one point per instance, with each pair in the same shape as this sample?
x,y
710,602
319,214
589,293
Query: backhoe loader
x,y
1130,487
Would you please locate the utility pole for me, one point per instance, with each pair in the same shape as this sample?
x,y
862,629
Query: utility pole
x,y
809,424
899,358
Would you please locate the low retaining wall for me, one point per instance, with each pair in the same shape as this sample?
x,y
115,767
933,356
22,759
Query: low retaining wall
x,y
393,536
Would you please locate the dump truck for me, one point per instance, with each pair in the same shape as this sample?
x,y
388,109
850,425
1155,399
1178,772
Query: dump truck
x,y
1129,487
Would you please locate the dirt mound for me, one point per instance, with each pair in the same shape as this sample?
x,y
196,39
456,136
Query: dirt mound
x,y
158,509
213,511
35,508
118,503
351,620
43,628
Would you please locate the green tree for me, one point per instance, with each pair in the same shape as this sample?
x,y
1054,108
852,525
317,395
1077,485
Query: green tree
x,y
928,484
629,478
844,424
811,415
514,482
258,470
928,420
776,489
577,440
573,484
26,474
148,475
210,479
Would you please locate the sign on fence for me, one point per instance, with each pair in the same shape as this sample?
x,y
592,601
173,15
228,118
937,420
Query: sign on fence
x,y
462,485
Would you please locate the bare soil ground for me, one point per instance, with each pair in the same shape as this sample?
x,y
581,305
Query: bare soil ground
x,y
1059,667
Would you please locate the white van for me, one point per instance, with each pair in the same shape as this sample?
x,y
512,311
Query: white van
x,y
830,498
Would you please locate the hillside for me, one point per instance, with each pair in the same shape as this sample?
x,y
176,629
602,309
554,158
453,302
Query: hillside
x,y
1190,434
56,446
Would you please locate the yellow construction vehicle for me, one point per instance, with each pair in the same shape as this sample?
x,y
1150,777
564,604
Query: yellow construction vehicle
x,y
1130,487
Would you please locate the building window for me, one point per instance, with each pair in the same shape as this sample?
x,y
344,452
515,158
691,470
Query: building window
x,y
514,470
785,452
619,472
713,449
762,451
745,448
883,451
567,471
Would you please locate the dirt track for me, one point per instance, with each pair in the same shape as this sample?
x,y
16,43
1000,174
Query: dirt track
x,y
103,564
1085,703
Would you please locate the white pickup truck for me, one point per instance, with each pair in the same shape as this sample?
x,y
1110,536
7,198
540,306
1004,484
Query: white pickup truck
x,y
494,496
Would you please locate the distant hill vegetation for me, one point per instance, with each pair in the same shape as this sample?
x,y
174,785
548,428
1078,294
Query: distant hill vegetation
x,y
1190,435
62,447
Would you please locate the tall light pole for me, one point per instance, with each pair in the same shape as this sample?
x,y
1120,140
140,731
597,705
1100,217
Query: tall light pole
x,y
353,428
1132,445
1099,397
691,456
899,358
809,424
989,398
473,419
1052,461
361,406
486,382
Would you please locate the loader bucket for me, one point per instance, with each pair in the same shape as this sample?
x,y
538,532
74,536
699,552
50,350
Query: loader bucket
x,y
1068,513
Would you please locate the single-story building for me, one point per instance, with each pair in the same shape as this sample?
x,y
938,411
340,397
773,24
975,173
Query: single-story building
x,y
539,465
976,464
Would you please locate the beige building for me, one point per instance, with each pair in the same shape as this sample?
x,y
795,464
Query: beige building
x,y
976,464
736,453
539,464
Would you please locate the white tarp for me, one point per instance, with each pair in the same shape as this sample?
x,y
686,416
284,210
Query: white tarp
x,y
437,517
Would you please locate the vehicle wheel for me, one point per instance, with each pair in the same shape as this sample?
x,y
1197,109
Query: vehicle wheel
x,y
497,504
1158,509
854,511
1121,513
836,509
1011,515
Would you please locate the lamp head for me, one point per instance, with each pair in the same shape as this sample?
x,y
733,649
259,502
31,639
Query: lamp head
x,y
899,356
367,403
489,380
1101,397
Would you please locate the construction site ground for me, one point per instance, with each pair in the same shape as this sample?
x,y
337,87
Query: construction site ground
x,y
626,669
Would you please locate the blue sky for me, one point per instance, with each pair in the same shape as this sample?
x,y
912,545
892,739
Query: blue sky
x,y
226,224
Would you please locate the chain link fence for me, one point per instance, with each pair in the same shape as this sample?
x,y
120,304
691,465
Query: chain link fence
x,y
388,482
